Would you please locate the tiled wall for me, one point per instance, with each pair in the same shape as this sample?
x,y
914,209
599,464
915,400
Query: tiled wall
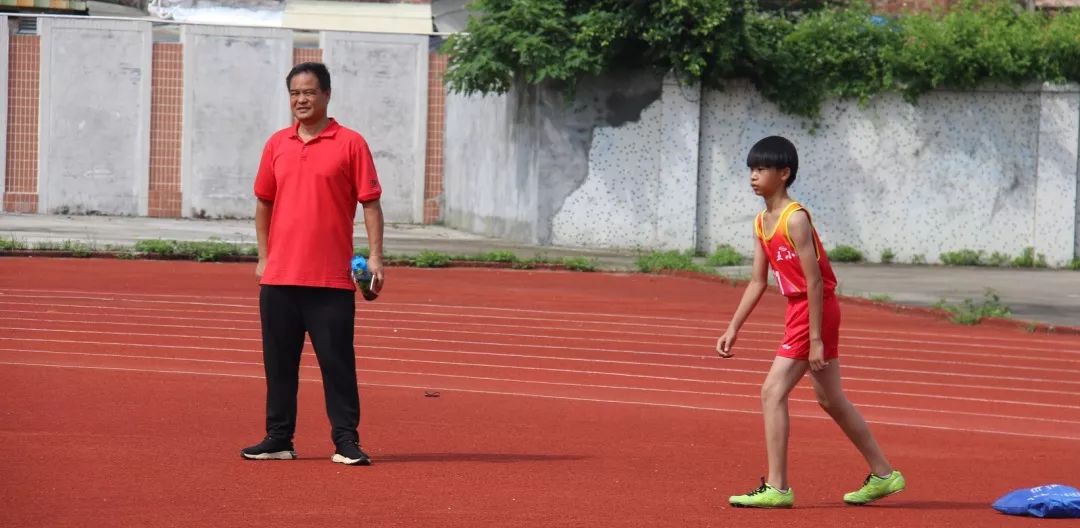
x,y
307,55
21,192
166,126
436,128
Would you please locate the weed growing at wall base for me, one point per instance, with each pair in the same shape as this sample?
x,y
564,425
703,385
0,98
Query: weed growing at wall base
x,y
970,257
74,247
969,312
208,251
1029,259
725,255
10,244
845,254
963,257
431,259
658,261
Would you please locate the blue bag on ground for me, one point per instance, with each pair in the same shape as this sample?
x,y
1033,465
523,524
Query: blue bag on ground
x,y
1050,501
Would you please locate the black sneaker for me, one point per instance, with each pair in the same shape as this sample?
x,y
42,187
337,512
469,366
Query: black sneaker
x,y
270,449
350,454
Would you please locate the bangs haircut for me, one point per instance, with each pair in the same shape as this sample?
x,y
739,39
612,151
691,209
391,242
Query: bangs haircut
x,y
775,152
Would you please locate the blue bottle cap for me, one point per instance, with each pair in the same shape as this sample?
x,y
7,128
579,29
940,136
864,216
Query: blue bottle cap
x,y
359,263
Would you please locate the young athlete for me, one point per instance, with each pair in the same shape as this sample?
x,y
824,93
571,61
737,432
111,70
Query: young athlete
x,y
786,241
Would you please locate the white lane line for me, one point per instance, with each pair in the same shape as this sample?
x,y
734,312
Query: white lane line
x,y
701,348
552,397
552,383
564,371
713,324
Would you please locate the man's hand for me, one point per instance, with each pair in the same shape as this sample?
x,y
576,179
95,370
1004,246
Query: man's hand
x,y
375,266
260,268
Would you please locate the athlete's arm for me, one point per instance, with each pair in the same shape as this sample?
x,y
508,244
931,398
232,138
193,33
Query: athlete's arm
x,y
801,233
758,283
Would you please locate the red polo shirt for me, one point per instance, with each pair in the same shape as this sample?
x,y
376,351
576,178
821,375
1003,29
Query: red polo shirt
x,y
315,187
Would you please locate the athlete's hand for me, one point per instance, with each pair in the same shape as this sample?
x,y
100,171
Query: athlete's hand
x,y
725,344
259,269
817,355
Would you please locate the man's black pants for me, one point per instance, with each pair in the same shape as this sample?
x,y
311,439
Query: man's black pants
x,y
325,314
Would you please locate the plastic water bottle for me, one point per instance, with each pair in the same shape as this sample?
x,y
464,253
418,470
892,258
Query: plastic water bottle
x,y
364,278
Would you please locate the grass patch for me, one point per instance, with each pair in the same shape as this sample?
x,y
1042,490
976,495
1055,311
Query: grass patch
x,y
963,257
76,248
970,312
497,256
999,260
919,259
580,264
970,257
887,256
845,254
491,256
156,246
880,297
1028,259
431,259
658,261
208,251
10,244
725,255
1075,264
526,264
538,260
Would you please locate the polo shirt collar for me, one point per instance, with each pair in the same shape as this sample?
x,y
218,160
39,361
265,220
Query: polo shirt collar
x,y
330,131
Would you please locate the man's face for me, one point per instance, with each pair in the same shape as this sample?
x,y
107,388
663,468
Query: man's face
x,y
306,98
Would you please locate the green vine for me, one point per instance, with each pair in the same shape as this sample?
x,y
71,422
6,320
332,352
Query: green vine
x,y
797,60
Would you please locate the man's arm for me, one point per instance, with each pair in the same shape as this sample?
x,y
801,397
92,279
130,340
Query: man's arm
x,y
373,224
263,211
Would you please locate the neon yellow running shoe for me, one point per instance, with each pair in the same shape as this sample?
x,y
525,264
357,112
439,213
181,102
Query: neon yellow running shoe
x,y
875,487
764,497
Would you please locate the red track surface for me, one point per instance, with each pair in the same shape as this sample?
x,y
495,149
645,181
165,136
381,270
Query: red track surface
x,y
567,399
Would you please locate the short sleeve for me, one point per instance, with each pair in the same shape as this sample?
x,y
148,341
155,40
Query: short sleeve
x,y
265,182
365,177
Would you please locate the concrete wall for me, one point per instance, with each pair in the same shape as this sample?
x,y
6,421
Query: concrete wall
x,y
615,167
5,43
94,127
633,162
490,183
639,188
234,98
1058,186
993,170
379,88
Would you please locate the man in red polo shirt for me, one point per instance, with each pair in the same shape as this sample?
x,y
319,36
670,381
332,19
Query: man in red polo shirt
x,y
310,179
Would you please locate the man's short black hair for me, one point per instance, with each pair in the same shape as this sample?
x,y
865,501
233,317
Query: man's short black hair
x,y
777,153
317,69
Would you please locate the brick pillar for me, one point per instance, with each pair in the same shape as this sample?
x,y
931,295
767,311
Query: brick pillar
x,y
166,127
436,129
21,180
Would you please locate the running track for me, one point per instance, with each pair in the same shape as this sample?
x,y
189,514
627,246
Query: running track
x,y
567,399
